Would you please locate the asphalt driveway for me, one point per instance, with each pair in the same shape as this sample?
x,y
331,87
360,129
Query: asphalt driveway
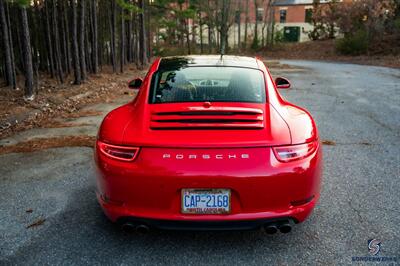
x,y
357,109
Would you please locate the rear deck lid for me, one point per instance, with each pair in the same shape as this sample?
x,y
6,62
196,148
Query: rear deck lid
x,y
201,125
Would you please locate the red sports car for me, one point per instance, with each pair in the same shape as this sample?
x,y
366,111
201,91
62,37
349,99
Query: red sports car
x,y
208,144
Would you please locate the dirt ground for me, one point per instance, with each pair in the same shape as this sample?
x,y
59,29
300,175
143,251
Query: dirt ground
x,y
59,100
48,143
325,51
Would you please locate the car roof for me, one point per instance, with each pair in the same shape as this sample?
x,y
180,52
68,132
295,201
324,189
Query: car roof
x,y
176,62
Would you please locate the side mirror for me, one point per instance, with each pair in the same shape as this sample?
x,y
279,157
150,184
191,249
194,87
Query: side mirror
x,y
282,83
135,83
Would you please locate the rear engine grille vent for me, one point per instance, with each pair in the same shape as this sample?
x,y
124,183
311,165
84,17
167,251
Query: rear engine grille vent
x,y
240,119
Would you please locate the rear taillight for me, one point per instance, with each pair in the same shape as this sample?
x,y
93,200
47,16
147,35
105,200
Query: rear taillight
x,y
122,153
294,152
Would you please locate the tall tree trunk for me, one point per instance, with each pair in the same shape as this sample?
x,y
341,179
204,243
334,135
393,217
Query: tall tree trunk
x,y
255,40
49,41
209,38
148,31
239,22
271,26
264,30
201,33
246,24
82,39
185,23
210,33
129,39
113,33
57,48
122,40
218,40
181,25
194,35
36,44
142,36
95,37
44,54
18,60
89,38
75,47
63,40
67,36
26,40
6,42
224,26
88,56
136,56
14,84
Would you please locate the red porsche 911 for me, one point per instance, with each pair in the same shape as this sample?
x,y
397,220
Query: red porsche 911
x,y
208,144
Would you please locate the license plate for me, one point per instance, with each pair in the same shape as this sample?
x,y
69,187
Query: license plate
x,y
206,201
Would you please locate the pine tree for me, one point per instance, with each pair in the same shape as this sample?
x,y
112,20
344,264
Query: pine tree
x,y
75,47
27,52
6,44
82,56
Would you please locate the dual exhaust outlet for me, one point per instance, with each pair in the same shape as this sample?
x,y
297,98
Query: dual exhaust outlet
x,y
270,228
139,228
273,228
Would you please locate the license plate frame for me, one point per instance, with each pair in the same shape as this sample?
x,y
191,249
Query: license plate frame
x,y
204,209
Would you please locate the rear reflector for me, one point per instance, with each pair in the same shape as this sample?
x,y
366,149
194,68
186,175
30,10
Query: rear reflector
x,y
302,202
121,153
294,152
110,201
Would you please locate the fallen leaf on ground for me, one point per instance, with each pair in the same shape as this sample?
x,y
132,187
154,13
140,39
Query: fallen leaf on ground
x,y
328,142
37,223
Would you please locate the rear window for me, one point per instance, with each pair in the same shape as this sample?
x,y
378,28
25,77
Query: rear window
x,y
212,84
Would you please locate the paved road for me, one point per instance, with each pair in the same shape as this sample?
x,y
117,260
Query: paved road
x,y
357,107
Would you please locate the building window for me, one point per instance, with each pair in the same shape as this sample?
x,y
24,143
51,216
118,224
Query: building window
x,y
282,16
309,15
260,13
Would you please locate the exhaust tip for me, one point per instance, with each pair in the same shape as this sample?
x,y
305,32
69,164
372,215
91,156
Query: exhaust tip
x,y
285,228
271,229
142,228
128,227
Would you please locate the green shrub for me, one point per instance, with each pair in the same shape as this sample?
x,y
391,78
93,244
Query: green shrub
x,y
255,45
397,24
354,44
279,36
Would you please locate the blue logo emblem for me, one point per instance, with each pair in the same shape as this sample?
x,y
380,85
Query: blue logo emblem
x,y
374,246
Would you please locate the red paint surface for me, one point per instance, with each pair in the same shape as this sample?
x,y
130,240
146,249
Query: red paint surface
x,y
239,159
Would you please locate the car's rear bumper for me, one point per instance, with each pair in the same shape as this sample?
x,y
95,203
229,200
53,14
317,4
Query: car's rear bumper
x,y
262,189
242,221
